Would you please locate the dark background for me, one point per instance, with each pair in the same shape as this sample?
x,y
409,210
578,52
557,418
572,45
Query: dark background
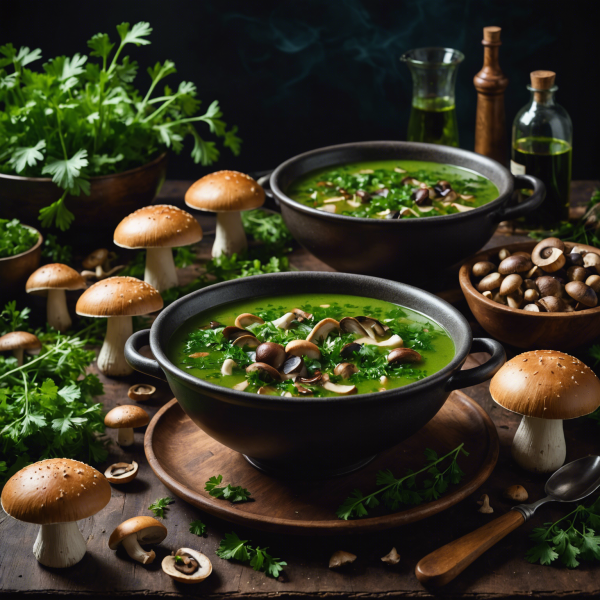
x,y
300,74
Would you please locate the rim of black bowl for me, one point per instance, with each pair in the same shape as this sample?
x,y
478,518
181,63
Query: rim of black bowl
x,y
449,150
460,355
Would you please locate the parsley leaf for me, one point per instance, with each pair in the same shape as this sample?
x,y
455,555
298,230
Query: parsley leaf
x,y
232,493
197,527
158,507
231,547
15,238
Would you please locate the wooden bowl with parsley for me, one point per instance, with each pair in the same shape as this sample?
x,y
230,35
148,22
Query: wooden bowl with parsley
x,y
20,255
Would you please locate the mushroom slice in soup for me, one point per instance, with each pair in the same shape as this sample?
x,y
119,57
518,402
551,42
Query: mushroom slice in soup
x,y
322,329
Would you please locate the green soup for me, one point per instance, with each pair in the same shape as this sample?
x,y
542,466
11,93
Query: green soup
x,y
393,189
200,346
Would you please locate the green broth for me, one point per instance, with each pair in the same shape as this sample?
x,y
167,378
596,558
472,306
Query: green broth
x,y
335,189
418,332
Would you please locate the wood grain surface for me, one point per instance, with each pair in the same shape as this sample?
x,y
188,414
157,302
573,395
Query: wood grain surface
x,y
501,572
183,457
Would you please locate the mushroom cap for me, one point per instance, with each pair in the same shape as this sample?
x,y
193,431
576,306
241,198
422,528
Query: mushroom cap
x,y
204,567
125,477
54,277
225,191
19,340
303,348
546,384
140,392
157,226
119,297
128,415
96,258
56,490
148,529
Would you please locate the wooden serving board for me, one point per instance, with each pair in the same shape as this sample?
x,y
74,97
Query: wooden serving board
x,y
183,457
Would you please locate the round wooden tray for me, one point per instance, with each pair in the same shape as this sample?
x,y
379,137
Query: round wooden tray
x,y
183,457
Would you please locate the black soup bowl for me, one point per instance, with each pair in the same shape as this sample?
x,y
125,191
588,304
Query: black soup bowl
x,y
403,249
311,437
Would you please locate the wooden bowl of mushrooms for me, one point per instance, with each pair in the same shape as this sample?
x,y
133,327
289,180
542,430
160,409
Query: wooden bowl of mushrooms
x,y
536,295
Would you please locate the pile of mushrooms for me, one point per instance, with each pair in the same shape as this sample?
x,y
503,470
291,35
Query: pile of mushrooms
x,y
275,363
555,277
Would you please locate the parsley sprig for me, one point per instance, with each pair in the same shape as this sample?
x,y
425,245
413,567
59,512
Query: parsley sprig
x,y
571,539
197,527
259,559
160,506
233,493
404,490
15,238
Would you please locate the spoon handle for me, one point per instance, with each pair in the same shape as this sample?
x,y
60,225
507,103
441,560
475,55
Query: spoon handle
x,y
444,564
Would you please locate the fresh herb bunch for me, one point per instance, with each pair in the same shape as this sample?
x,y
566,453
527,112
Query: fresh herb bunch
x,y
406,490
12,319
198,528
80,118
572,538
268,228
160,506
259,559
15,238
53,252
584,231
233,493
47,407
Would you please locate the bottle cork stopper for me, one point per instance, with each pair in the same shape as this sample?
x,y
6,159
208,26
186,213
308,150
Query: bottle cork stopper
x,y
492,34
542,80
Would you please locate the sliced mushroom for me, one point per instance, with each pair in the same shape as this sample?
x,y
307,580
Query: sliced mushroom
x,y
548,258
341,558
231,333
266,390
271,353
227,366
514,264
302,390
404,355
241,386
301,315
246,341
245,319
140,392
316,377
490,282
212,325
349,349
392,557
511,283
582,293
395,341
192,566
330,208
351,325
285,321
482,268
294,366
461,207
265,372
336,388
199,355
345,370
303,348
322,329
371,323
121,472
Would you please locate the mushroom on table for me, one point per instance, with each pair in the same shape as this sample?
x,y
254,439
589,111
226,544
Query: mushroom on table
x,y
118,299
18,342
54,280
546,387
187,566
138,530
158,229
226,193
55,494
122,472
125,419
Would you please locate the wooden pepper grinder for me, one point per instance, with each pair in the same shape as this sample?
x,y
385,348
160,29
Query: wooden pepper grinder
x,y
490,83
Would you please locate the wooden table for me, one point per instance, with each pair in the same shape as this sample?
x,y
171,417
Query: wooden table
x,y
501,572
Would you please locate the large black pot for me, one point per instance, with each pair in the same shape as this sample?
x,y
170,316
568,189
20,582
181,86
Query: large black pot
x,y
311,436
403,249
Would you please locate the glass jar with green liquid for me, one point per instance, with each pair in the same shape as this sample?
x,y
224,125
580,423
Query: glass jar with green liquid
x,y
542,140
433,113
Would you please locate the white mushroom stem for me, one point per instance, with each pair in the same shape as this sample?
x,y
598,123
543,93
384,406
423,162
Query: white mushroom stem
x,y
18,354
539,445
56,310
160,269
59,545
111,360
130,543
230,237
125,436
227,366
285,321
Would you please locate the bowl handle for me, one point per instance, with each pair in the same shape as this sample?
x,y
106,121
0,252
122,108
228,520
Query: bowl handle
x,y
528,182
469,377
140,363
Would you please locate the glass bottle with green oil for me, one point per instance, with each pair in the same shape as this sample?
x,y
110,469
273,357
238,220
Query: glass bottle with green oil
x,y
433,112
542,139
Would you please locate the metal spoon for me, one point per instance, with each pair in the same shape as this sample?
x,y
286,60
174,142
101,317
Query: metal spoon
x,y
570,483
